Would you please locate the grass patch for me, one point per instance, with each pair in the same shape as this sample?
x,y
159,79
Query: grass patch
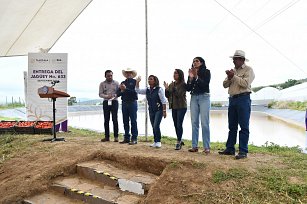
x,y
13,144
8,119
216,104
11,105
274,148
277,180
266,183
293,105
198,165
85,133
175,165
234,173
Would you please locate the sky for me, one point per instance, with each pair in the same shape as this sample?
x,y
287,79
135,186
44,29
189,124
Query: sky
x,y
110,34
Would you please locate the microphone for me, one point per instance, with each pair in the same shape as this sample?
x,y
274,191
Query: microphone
x,y
54,82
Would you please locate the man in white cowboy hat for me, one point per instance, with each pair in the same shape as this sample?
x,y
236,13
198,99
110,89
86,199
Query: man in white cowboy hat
x,y
238,82
129,106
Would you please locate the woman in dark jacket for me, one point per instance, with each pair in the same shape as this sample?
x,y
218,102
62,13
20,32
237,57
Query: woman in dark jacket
x,y
198,85
156,105
177,100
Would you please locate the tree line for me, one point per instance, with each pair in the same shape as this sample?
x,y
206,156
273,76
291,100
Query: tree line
x,y
287,84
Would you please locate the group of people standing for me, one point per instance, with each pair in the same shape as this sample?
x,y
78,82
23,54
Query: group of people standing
x,y
238,82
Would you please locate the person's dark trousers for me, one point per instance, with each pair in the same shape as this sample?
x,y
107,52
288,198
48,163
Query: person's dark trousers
x,y
129,110
238,114
107,110
155,120
178,117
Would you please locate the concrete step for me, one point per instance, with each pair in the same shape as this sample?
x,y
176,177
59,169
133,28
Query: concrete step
x,y
93,192
51,197
134,181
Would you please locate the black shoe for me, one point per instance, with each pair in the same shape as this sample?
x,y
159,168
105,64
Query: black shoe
x,y
241,155
105,140
124,142
133,142
179,145
227,152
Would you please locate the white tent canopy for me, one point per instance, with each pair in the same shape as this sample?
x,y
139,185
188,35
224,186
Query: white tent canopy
x,y
35,25
295,93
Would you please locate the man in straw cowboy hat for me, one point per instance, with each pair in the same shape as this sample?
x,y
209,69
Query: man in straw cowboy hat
x,y
129,105
238,82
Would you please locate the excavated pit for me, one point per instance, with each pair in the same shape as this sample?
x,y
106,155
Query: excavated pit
x,y
104,178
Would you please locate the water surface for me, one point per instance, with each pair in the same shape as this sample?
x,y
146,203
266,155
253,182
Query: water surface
x,y
263,128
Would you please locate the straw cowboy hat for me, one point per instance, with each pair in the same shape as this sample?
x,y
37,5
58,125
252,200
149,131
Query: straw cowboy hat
x,y
239,54
134,73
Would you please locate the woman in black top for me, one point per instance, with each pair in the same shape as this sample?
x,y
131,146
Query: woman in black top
x,y
198,85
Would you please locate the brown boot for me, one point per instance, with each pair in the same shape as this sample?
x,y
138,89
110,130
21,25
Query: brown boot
x,y
105,140
193,149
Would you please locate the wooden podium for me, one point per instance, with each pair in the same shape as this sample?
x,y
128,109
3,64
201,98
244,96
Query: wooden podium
x,y
49,92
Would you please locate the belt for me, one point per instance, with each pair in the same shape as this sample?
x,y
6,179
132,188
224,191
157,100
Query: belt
x,y
241,94
129,101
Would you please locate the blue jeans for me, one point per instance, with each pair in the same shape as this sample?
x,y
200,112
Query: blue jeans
x,y
239,111
155,120
178,116
200,108
129,110
107,110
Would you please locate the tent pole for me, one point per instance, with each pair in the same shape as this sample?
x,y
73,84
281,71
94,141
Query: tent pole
x,y
146,71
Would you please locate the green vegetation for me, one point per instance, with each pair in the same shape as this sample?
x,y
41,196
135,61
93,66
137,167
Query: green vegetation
x,y
216,105
11,105
278,175
277,180
8,119
72,101
287,84
12,145
234,173
293,105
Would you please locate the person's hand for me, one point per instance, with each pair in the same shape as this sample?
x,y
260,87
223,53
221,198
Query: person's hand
x,y
164,114
191,73
138,79
165,85
122,87
230,73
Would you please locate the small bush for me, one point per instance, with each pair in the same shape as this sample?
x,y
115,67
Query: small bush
x,y
293,105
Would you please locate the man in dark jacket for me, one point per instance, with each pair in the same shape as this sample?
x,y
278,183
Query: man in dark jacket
x,y
129,106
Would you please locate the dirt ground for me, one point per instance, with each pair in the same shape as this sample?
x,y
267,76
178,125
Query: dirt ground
x,y
184,177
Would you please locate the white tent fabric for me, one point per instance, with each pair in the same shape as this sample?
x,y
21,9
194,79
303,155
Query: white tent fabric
x,y
35,25
295,93
267,93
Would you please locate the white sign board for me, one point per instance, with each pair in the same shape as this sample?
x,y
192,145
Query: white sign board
x,y
44,68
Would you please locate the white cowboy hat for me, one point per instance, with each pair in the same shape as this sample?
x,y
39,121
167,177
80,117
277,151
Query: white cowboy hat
x,y
134,73
239,54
